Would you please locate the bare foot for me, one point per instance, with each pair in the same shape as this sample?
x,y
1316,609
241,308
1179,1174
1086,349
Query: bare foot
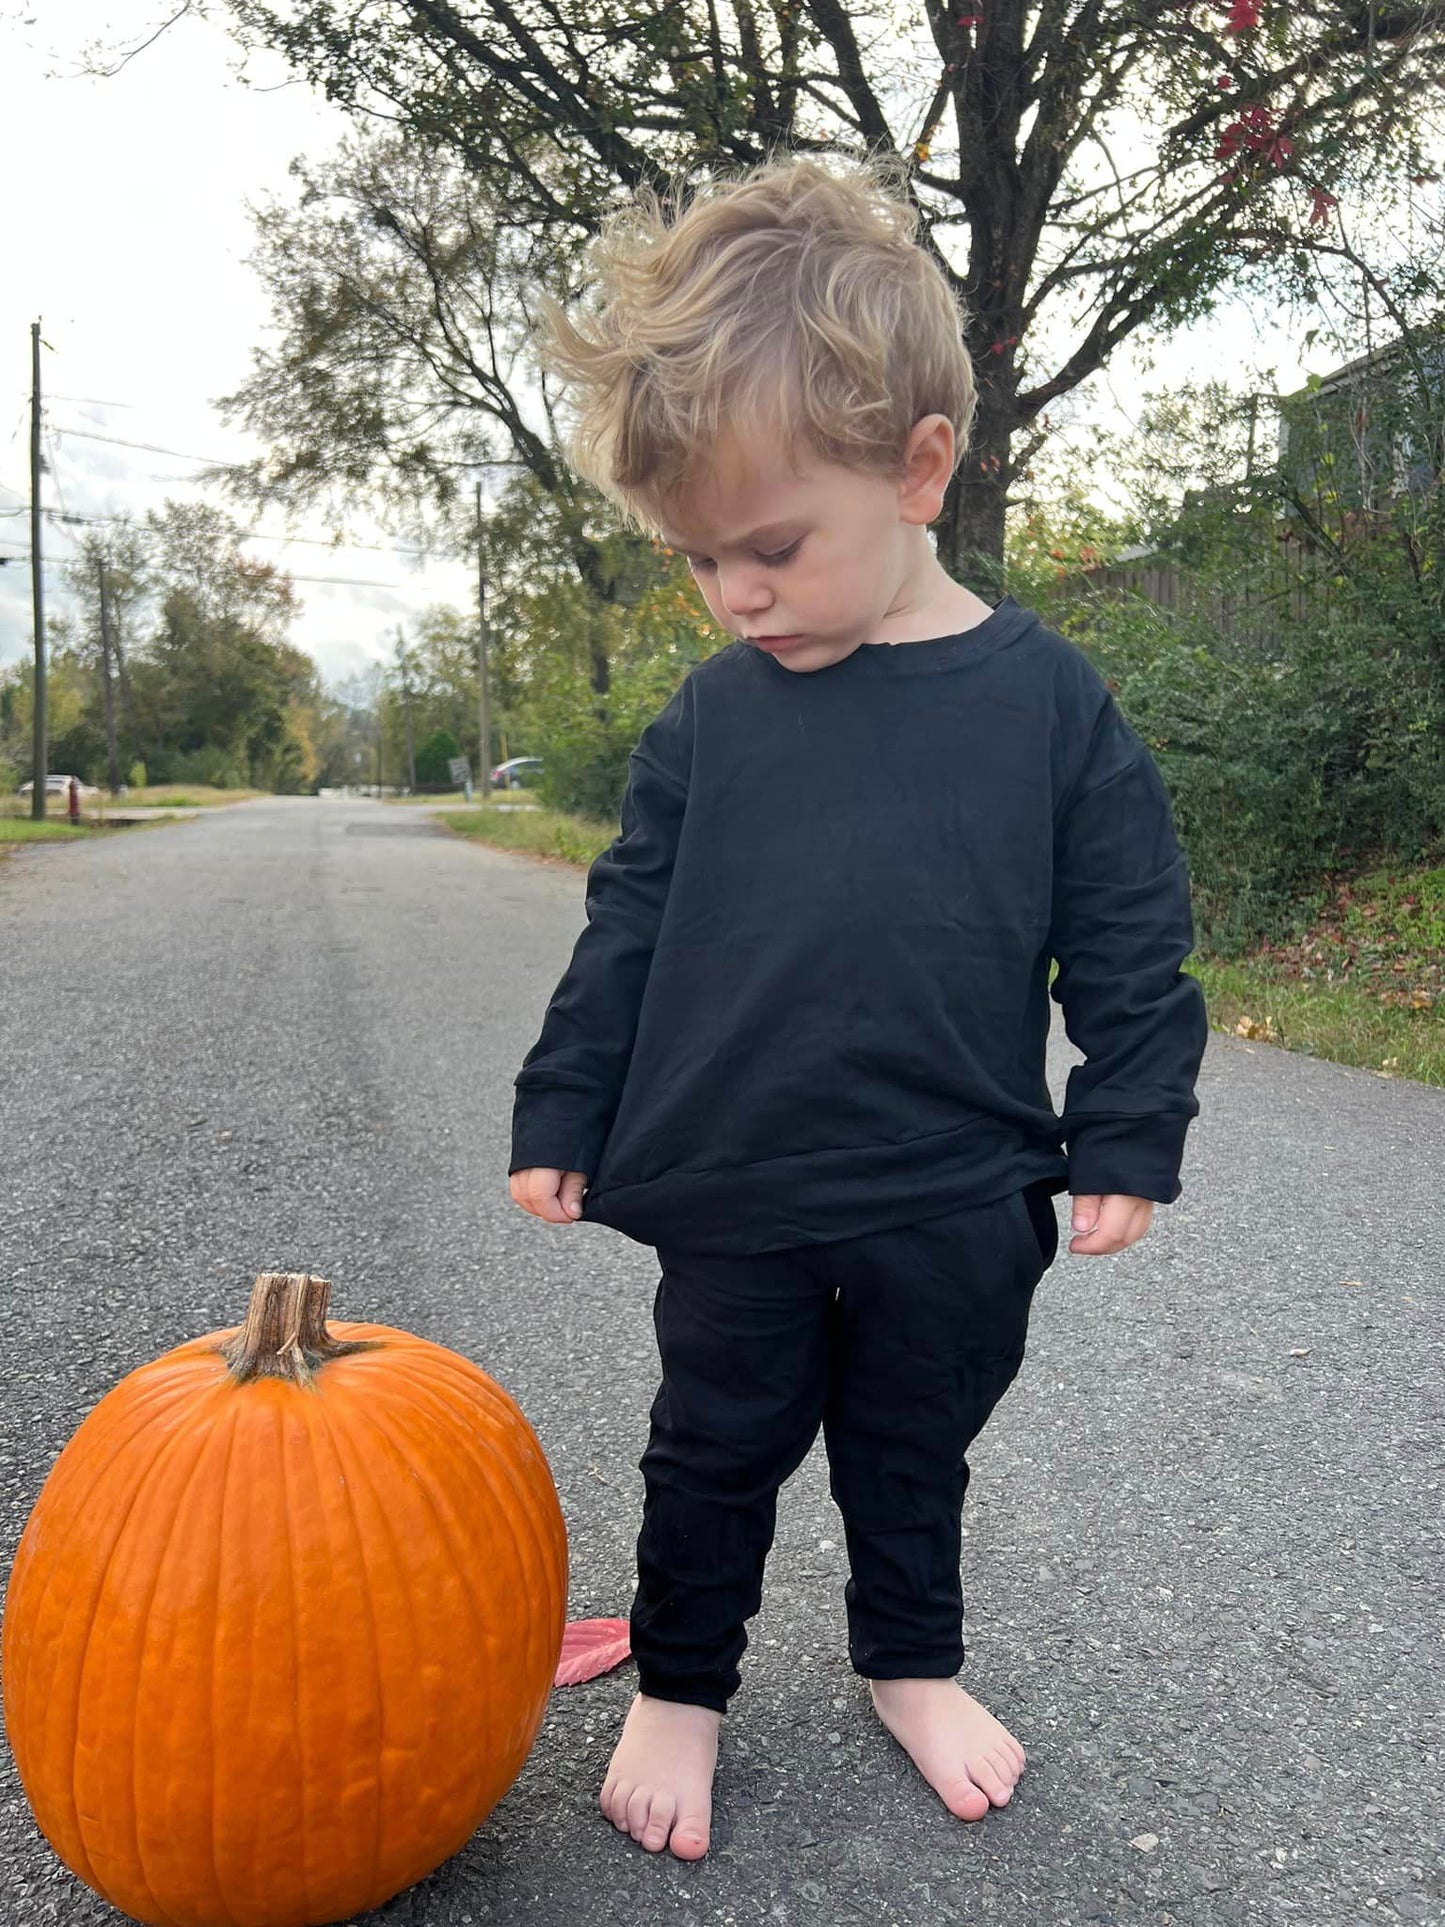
x,y
968,1759
659,1784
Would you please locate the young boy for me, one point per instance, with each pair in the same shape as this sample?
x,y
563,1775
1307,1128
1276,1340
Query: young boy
x,y
800,1046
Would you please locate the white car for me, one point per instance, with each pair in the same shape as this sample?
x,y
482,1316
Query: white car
x,y
60,786
515,774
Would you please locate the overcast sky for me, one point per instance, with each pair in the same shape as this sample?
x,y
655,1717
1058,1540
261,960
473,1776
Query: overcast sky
x,y
130,248
126,232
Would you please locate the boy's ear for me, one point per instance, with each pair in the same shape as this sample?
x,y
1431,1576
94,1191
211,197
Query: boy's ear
x,y
928,469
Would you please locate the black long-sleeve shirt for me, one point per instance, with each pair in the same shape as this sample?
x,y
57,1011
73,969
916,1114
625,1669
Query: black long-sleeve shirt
x,y
811,998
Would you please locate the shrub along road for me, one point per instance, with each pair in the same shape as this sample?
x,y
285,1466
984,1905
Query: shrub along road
x,y
1202,1564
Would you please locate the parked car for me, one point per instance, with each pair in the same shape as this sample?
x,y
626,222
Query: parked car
x,y
59,786
517,773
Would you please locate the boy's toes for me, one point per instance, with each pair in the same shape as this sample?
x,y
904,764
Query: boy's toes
x,y
614,1798
690,1836
657,1823
989,1772
965,1800
639,1810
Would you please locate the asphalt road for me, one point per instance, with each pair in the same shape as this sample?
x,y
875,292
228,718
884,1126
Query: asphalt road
x,y
1203,1572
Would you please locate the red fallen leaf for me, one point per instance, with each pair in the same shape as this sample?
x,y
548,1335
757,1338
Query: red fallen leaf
x,y
590,1647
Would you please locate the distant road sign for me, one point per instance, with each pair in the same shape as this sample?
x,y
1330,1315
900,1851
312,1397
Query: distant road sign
x,y
459,768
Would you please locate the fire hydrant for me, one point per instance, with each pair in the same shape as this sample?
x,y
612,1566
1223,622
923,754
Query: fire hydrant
x,y
74,800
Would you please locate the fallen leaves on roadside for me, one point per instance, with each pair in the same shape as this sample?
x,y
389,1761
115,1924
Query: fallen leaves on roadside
x,y
590,1647
1255,1027
1390,946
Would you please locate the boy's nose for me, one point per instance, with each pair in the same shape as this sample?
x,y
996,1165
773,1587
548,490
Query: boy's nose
x,y
742,591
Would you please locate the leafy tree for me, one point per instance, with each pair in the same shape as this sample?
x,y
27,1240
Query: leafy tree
x,y
346,731
1064,231
194,550
443,666
401,301
76,731
432,758
211,690
121,552
221,695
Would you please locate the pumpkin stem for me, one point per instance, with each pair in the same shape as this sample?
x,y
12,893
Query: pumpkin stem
x,y
285,1333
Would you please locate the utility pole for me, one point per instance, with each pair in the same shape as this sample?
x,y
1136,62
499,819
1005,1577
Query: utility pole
x,y
37,594
484,728
406,707
113,759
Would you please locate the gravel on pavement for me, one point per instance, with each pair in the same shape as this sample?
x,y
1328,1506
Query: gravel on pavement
x,y
1202,1563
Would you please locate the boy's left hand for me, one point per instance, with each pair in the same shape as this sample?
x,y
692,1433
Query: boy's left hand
x,y
1109,1224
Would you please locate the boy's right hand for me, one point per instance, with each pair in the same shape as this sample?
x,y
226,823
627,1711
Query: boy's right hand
x,y
555,1196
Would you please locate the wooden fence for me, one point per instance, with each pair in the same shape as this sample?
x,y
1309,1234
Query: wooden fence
x,y
1294,582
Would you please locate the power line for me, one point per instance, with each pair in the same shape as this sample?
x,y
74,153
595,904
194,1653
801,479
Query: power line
x,y
320,542
345,581
54,463
151,448
246,535
111,521
65,516
93,401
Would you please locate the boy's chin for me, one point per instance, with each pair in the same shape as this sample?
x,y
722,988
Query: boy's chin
x,y
806,656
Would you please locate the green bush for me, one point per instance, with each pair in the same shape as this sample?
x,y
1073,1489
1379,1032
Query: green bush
x,y
136,778
1294,701
584,742
1322,752
220,768
432,758
584,755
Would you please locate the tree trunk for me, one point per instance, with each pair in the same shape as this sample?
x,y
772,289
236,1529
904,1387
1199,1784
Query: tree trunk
x,y
970,530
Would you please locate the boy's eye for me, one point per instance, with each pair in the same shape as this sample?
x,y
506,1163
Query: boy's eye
x,y
773,561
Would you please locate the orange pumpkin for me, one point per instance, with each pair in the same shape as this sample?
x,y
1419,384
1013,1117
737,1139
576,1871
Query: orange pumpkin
x,y
282,1626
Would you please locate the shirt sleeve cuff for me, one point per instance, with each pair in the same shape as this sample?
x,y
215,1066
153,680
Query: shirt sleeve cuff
x,y
555,1147
1136,1157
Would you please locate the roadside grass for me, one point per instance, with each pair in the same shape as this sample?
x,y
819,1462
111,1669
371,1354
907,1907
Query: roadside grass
x,y
535,832
1359,979
181,796
520,794
96,809
1342,1022
23,829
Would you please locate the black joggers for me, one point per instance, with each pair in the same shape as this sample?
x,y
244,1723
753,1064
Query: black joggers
x,y
899,1344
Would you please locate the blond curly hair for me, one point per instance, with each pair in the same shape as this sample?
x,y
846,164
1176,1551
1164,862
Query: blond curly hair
x,y
792,300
